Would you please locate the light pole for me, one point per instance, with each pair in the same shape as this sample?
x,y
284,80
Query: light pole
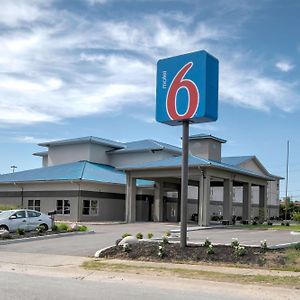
x,y
287,178
13,168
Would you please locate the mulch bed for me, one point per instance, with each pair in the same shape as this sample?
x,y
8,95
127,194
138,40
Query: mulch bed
x,y
14,235
148,251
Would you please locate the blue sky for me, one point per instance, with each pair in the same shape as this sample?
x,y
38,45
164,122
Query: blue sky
x,y
87,67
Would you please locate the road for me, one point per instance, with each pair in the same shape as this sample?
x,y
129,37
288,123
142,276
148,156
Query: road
x,y
106,235
19,285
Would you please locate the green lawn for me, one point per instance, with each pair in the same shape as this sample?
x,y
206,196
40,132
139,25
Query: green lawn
x,y
292,227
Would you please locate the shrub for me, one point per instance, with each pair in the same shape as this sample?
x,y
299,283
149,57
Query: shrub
x,y
210,249
150,235
40,229
161,251
207,243
126,248
168,233
296,216
263,245
82,228
139,236
254,222
63,227
215,218
282,224
235,243
126,234
20,231
54,228
239,218
270,223
165,240
239,251
287,224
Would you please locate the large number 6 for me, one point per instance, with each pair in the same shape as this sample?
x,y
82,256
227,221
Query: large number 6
x,y
193,95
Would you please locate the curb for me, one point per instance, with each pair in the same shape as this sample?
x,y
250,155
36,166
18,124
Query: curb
x,y
45,237
283,246
198,228
97,253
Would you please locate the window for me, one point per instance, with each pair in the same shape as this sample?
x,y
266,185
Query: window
x,y
20,214
34,205
63,207
90,207
33,214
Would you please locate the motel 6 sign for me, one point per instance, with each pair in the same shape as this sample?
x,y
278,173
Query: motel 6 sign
x,y
187,88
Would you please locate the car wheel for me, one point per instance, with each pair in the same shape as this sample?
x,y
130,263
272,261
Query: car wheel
x,y
4,227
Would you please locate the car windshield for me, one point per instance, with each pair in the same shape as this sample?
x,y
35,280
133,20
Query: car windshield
x,y
5,214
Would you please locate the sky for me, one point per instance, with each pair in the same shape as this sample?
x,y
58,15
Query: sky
x,y
87,68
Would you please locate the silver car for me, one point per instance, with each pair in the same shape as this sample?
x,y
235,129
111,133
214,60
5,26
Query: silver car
x,y
26,219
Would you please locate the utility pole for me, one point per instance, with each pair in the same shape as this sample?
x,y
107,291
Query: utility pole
x,y
287,178
13,168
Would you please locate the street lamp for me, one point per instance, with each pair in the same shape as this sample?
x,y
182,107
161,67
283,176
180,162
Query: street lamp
x,y
13,168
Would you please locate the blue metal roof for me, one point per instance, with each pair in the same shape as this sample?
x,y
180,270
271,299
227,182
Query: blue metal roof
x,y
82,170
175,162
202,136
146,145
236,160
87,139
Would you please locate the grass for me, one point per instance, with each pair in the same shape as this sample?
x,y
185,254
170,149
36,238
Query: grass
x,y
292,227
193,274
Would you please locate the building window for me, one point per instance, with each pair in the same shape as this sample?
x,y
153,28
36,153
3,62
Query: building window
x,y
34,205
90,208
63,207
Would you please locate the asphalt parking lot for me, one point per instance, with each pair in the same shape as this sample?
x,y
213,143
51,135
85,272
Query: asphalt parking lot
x,y
106,235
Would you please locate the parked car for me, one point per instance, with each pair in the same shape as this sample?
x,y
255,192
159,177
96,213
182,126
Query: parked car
x,y
26,219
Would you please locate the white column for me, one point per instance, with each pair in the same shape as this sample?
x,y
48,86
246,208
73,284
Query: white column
x,y
262,203
247,201
130,204
158,201
227,200
204,200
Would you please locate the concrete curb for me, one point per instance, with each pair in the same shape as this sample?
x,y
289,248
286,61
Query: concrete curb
x,y
198,228
283,246
45,237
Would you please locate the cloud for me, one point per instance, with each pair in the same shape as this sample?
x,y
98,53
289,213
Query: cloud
x,y
29,139
65,65
284,66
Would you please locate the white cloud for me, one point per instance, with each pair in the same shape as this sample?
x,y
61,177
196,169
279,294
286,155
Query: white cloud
x,y
29,139
68,66
284,66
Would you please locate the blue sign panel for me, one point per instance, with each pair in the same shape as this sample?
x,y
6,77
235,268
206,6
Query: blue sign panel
x,y
187,88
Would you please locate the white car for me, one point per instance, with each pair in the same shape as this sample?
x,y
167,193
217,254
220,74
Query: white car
x,y
26,219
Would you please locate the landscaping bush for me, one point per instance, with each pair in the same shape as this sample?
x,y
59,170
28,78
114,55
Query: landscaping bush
x,y
296,216
287,224
82,228
150,235
126,234
210,249
270,223
63,227
239,218
165,240
254,222
8,207
207,243
41,229
139,236
54,228
20,231
168,233
263,245
161,251
126,248
215,218
235,243
239,250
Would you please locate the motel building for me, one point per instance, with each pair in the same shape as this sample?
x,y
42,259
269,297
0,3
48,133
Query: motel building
x,y
95,179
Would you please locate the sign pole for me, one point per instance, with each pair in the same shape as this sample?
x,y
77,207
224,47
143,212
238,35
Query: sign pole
x,y
184,182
